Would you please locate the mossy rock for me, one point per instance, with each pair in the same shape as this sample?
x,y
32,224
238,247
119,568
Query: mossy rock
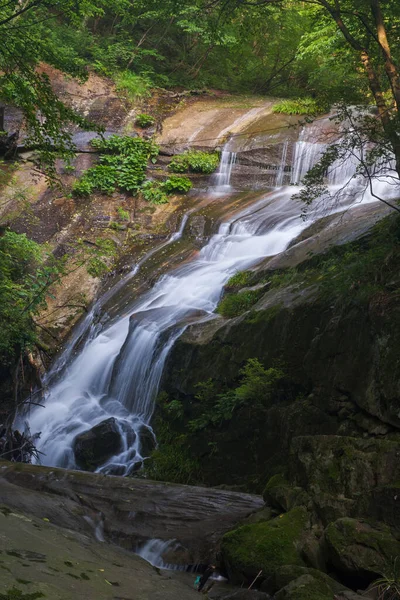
x,y
306,587
288,573
265,546
360,550
278,493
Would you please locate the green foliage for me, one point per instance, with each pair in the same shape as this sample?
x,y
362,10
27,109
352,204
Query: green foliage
x,y
256,387
122,165
156,192
123,214
153,192
195,162
239,280
171,461
352,273
26,274
388,586
132,86
97,256
177,185
143,120
233,305
300,106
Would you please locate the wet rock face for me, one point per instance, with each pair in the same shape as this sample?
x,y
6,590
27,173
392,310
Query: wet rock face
x,y
94,447
131,511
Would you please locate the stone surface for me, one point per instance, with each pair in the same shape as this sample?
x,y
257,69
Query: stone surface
x,y
127,511
37,556
288,573
93,447
264,546
348,476
359,550
305,588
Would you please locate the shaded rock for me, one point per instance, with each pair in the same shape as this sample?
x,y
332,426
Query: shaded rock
x,y
264,546
265,514
147,441
281,495
288,573
133,510
248,595
341,473
360,551
93,447
305,588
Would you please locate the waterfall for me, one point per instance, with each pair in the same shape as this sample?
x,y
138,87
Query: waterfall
x,y
117,371
221,179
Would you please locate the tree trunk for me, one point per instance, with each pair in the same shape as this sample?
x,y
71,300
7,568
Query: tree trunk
x,y
390,67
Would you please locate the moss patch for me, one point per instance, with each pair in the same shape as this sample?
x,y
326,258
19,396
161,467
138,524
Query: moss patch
x,y
265,546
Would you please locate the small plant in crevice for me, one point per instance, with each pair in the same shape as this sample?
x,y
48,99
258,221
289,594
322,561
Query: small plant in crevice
x,y
143,120
235,304
195,162
122,214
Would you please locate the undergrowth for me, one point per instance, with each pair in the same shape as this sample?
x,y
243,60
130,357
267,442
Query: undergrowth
x,y
299,106
195,162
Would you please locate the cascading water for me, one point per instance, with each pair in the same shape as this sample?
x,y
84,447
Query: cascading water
x,y
118,370
221,180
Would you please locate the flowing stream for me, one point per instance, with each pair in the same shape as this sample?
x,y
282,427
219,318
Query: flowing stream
x,y
117,370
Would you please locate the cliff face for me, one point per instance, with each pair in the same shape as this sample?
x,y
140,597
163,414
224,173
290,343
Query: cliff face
x,y
336,345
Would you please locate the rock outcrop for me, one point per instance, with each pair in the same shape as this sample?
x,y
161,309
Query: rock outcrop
x,y
127,511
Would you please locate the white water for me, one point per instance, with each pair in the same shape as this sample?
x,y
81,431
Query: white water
x,y
221,179
153,550
117,372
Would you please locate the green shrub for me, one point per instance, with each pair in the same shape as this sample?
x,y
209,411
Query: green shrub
x,y
171,461
143,120
195,161
299,106
123,214
176,184
239,280
153,191
234,305
256,387
122,165
133,86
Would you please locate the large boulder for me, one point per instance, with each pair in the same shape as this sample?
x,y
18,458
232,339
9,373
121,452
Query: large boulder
x,y
95,446
288,573
341,474
306,587
265,546
359,551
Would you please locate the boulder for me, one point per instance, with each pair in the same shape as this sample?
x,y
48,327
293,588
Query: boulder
x,y
305,588
279,494
96,445
288,573
341,473
359,551
264,546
